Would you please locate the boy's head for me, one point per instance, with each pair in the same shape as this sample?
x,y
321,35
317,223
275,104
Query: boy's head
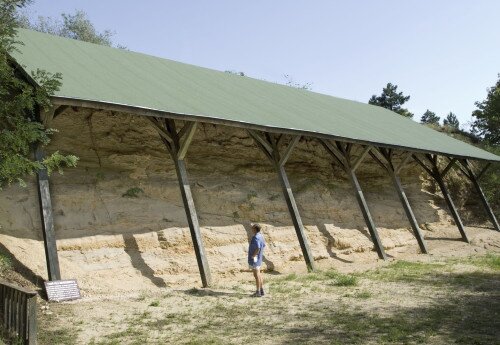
x,y
256,228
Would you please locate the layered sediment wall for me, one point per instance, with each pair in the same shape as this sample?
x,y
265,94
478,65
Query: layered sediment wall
x,y
119,215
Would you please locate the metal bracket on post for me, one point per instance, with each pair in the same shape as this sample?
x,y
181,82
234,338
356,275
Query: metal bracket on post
x,y
269,144
438,176
178,149
386,163
469,173
342,156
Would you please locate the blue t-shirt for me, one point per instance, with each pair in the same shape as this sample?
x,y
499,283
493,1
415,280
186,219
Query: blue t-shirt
x,y
256,242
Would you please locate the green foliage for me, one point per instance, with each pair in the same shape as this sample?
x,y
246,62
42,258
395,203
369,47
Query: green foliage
x,y
429,118
76,26
5,262
490,181
392,100
487,122
339,279
132,192
20,105
289,81
491,178
451,121
154,303
241,74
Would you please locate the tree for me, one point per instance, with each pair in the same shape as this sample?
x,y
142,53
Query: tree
x,y
20,103
487,114
430,118
76,26
292,83
392,100
451,121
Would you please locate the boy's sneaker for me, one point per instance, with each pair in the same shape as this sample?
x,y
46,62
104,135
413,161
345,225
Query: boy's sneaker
x,y
256,294
262,292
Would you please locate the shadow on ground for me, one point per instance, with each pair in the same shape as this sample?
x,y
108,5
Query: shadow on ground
x,y
468,315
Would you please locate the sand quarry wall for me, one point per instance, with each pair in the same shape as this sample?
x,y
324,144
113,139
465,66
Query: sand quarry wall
x,y
104,235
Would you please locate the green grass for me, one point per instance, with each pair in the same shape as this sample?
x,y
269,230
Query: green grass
x,y
66,335
491,261
251,195
5,262
405,271
133,192
154,304
449,302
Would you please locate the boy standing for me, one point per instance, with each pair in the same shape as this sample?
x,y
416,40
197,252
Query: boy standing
x,y
255,254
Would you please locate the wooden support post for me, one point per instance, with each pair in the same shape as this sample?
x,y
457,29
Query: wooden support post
x,y
341,156
438,177
389,167
472,177
269,145
177,149
49,236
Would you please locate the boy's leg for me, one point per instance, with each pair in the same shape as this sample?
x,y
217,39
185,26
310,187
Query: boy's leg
x,y
257,278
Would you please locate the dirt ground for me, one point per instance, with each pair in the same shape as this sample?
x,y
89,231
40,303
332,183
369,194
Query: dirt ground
x,y
451,296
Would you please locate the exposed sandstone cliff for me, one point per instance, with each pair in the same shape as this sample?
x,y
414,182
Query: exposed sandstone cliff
x,y
119,215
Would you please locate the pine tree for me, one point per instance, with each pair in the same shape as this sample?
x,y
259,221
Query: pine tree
x,y
429,118
392,100
451,121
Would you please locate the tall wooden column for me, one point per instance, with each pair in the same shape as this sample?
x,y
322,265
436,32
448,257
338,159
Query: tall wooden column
x,y
469,173
438,176
269,144
49,236
177,149
393,173
341,154
45,204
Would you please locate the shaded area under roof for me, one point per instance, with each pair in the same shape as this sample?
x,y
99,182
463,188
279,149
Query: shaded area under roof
x,y
118,77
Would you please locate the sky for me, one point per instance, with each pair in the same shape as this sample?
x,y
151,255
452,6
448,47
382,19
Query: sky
x,y
444,54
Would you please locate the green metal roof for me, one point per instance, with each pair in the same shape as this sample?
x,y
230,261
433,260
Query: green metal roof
x,y
118,77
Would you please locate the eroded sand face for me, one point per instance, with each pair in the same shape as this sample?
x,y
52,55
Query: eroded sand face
x,y
113,243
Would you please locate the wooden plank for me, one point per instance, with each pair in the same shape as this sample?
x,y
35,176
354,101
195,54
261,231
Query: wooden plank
x,y
49,236
366,214
18,313
448,167
482,197
192,218
288,150
361,157
185,144
32,321
296,219
478,176
293,210
409,212
264,143
451,206
422,164
163,133
173,146
389,167
24,324
403,162
335,153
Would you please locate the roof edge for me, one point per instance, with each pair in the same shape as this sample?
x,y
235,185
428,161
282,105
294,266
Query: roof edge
x,y
143,111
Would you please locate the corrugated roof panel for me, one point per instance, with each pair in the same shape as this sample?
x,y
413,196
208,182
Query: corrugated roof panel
x,y
114,76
